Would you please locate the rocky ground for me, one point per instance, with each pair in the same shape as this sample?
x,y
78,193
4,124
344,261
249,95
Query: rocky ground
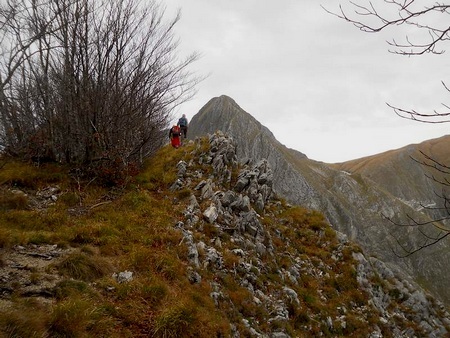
x,y
235,210
27,271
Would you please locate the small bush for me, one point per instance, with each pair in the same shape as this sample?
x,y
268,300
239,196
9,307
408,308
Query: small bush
x,y
112,172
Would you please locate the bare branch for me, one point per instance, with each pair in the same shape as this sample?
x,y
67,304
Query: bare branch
x,y
409,252
401,14
373,17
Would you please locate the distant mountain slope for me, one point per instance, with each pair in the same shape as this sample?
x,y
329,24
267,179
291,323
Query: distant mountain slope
x,y
353,196
398,171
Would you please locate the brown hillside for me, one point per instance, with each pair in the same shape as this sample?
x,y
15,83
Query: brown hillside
x,y
399,171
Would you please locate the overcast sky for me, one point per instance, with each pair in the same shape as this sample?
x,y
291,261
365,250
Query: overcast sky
x,y
318,83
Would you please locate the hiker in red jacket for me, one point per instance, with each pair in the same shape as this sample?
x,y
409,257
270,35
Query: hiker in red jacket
x,y
174,135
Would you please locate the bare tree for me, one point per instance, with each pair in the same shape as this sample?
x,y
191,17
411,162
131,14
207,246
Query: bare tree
x,y
426,25
16,41
94,81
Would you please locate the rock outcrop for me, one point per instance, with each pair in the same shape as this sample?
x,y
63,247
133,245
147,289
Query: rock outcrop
x,y
228,235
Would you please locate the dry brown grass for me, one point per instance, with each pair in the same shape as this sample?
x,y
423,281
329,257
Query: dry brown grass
x,y
133,229
28,318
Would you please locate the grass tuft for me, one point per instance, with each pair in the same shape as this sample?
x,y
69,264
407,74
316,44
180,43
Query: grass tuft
x,y
10,200
175,321
27,319
72,318
155,292
70,288
22,175
5,238
83,267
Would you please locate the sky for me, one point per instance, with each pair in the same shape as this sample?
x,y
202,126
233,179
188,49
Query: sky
x,y
318,83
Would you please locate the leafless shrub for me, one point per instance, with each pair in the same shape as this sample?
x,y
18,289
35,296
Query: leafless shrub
x,y
83,81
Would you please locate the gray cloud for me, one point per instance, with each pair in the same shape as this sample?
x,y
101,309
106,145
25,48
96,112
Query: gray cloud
x,y
295,64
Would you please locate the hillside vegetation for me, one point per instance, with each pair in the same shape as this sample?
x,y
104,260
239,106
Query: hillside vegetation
x,y
196,245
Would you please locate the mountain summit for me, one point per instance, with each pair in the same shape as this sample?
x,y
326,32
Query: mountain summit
x,y
354,196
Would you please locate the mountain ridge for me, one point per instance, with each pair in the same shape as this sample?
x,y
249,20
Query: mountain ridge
x,y
434,146
354,202
196,245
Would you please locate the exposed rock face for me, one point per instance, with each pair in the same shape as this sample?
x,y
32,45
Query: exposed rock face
x,y
354,203
235,206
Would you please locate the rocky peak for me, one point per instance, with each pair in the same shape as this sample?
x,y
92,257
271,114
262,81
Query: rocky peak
x,y
254,140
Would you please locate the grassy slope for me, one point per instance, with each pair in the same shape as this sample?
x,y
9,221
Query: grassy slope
x,y
133,229
397,161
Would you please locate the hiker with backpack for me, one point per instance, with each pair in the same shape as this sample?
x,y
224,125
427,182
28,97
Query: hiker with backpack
x,y
174,135
183,124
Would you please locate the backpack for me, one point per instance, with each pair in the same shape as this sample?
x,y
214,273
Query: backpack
x,y
175,131
182,122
